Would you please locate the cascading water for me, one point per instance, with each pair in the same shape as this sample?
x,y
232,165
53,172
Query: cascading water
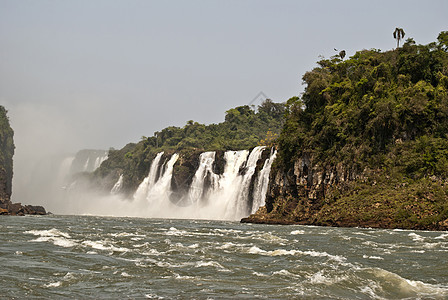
x,y
86,165
88,161
149,181
99,160
231,195
197,187
240,207
117,186
212,196
261,187
163,185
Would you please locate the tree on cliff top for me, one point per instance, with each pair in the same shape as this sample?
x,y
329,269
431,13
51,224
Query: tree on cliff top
x,y
398,35
361,110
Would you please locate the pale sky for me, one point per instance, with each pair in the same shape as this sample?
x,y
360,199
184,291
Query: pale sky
x,y
95,74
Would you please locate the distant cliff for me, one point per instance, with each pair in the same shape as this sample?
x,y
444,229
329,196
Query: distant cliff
x,y
367,143
6,171
244,127
6,154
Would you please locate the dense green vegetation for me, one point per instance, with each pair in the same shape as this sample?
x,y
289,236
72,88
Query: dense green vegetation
x,y
384,117
374,109
6,153
243,128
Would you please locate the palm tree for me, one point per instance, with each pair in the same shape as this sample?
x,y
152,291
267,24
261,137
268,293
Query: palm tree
x,y
398,35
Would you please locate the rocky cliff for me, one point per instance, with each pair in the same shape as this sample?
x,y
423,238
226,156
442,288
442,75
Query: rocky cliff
x,y
366,144
6,172
310,194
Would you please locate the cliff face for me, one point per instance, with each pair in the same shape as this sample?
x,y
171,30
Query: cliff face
x,y
310,194
6,172
6,154
366,143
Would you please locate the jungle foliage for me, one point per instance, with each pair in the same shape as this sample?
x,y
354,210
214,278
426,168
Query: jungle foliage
x,y
375,109
243,128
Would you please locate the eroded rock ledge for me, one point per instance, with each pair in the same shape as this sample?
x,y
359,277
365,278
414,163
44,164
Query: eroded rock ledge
x,y
310,194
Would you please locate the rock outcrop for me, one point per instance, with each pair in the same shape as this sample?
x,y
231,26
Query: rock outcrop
x,y
310,194
6,172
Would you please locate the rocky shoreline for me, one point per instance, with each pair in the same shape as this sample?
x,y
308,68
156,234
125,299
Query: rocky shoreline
x,y
17,209
310,194
262,217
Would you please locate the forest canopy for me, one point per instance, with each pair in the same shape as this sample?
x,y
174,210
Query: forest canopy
x,y
374,109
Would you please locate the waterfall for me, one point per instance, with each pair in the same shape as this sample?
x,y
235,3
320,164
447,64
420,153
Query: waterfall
x,y
86,165
117,186
261,187
240,207
149,181
88,161
161,190
99,160
234,194
197,187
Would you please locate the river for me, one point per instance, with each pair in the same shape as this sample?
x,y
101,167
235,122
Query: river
x,y
109,257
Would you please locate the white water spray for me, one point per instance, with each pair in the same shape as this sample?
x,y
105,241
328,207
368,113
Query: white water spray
x,y
197,187
160,192
240,206
261,187
149,181
117,186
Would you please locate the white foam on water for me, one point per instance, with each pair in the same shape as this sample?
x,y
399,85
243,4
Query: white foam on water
x,y
124,274
259,274
51,232
146,244
255,250
279,252
99,245
153,296
193,246
227,245
180,277
418,251
57,241
18,253
370,291
177,232
415,237
53,284
269,237
227,230
321,278
433,245
442,237
410,288
126,234
283,272
214,264
296,232
166,264
372,257
152,252
58,238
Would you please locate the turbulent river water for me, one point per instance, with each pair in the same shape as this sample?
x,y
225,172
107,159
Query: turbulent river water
x,y
108,257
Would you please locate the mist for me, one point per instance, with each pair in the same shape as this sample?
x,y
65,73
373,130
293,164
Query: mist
x,y
100,74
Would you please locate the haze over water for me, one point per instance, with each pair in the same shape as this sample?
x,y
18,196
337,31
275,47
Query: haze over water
x,y
107,257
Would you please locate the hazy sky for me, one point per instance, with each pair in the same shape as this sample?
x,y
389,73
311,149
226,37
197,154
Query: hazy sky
x,y
94,74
